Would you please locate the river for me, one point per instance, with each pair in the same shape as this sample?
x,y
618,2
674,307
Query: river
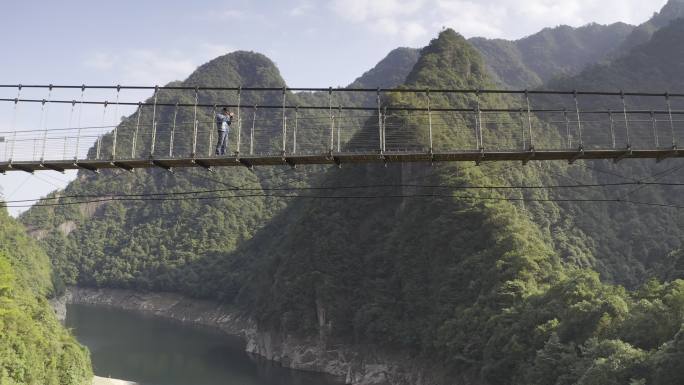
x,y
155,351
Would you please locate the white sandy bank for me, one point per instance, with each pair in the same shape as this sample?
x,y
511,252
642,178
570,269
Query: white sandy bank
x,y
110,381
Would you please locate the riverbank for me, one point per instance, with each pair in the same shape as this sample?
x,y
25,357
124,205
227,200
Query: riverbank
x,y
351,364
110,381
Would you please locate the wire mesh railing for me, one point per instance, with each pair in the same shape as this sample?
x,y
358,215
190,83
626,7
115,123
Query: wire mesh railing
x,y
182,126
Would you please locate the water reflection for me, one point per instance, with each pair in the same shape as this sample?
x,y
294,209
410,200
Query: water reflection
x,y
155,351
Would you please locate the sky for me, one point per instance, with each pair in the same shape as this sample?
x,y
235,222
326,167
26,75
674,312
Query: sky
x,y
314,43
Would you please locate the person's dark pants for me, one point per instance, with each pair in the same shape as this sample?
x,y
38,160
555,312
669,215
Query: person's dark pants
x,y
222,143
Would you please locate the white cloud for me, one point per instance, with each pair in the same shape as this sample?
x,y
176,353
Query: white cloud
x,y
301,9
413,21
153,66
387,17
515,19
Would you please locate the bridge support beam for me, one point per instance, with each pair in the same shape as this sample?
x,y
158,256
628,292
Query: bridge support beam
x,y
202,164
246,163
577,156
667,155
161,165
21,168
52,167
87,167
624,155
530,157
122,166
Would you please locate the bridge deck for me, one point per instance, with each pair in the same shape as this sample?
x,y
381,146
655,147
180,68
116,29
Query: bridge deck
x,y
340,159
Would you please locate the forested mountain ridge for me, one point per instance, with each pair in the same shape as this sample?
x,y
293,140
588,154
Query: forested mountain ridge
x,y
34,348
536,59
482,287
673,10
647,235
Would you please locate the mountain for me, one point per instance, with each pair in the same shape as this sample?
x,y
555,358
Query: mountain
x,y
647,235
531,61
673,10
390,71
485,289
34,347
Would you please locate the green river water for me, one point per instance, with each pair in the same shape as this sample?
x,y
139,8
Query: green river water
x,y
155,351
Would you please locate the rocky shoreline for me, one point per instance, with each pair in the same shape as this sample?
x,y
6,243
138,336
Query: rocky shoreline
x,y
352,365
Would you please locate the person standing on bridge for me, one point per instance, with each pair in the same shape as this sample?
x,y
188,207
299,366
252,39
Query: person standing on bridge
x,y
223,120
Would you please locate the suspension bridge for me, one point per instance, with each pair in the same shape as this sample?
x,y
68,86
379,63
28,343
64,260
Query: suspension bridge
x,y
79,127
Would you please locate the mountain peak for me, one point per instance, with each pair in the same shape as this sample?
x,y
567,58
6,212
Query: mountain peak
x,y
390,71
449,61
239,68
674,9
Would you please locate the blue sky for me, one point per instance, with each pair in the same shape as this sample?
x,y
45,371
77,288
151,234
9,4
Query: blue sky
x,y
314,43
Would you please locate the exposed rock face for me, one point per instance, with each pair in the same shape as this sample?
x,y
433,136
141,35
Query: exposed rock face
x,y
353,365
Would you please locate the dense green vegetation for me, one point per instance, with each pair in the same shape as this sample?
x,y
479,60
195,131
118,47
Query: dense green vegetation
x,y
34,348
509,293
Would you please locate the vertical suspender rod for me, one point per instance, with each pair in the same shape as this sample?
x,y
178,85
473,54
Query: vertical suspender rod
x,y
284,116
47,109
239,121
137,128
612,128
294,134
194,124
431,149
80,114
251,133
332,121
98,149
624,112
654,122
669,113
529,120
211,131
154,122
116,122
14,124
523,127
339,127
579,121
173,130
379,121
